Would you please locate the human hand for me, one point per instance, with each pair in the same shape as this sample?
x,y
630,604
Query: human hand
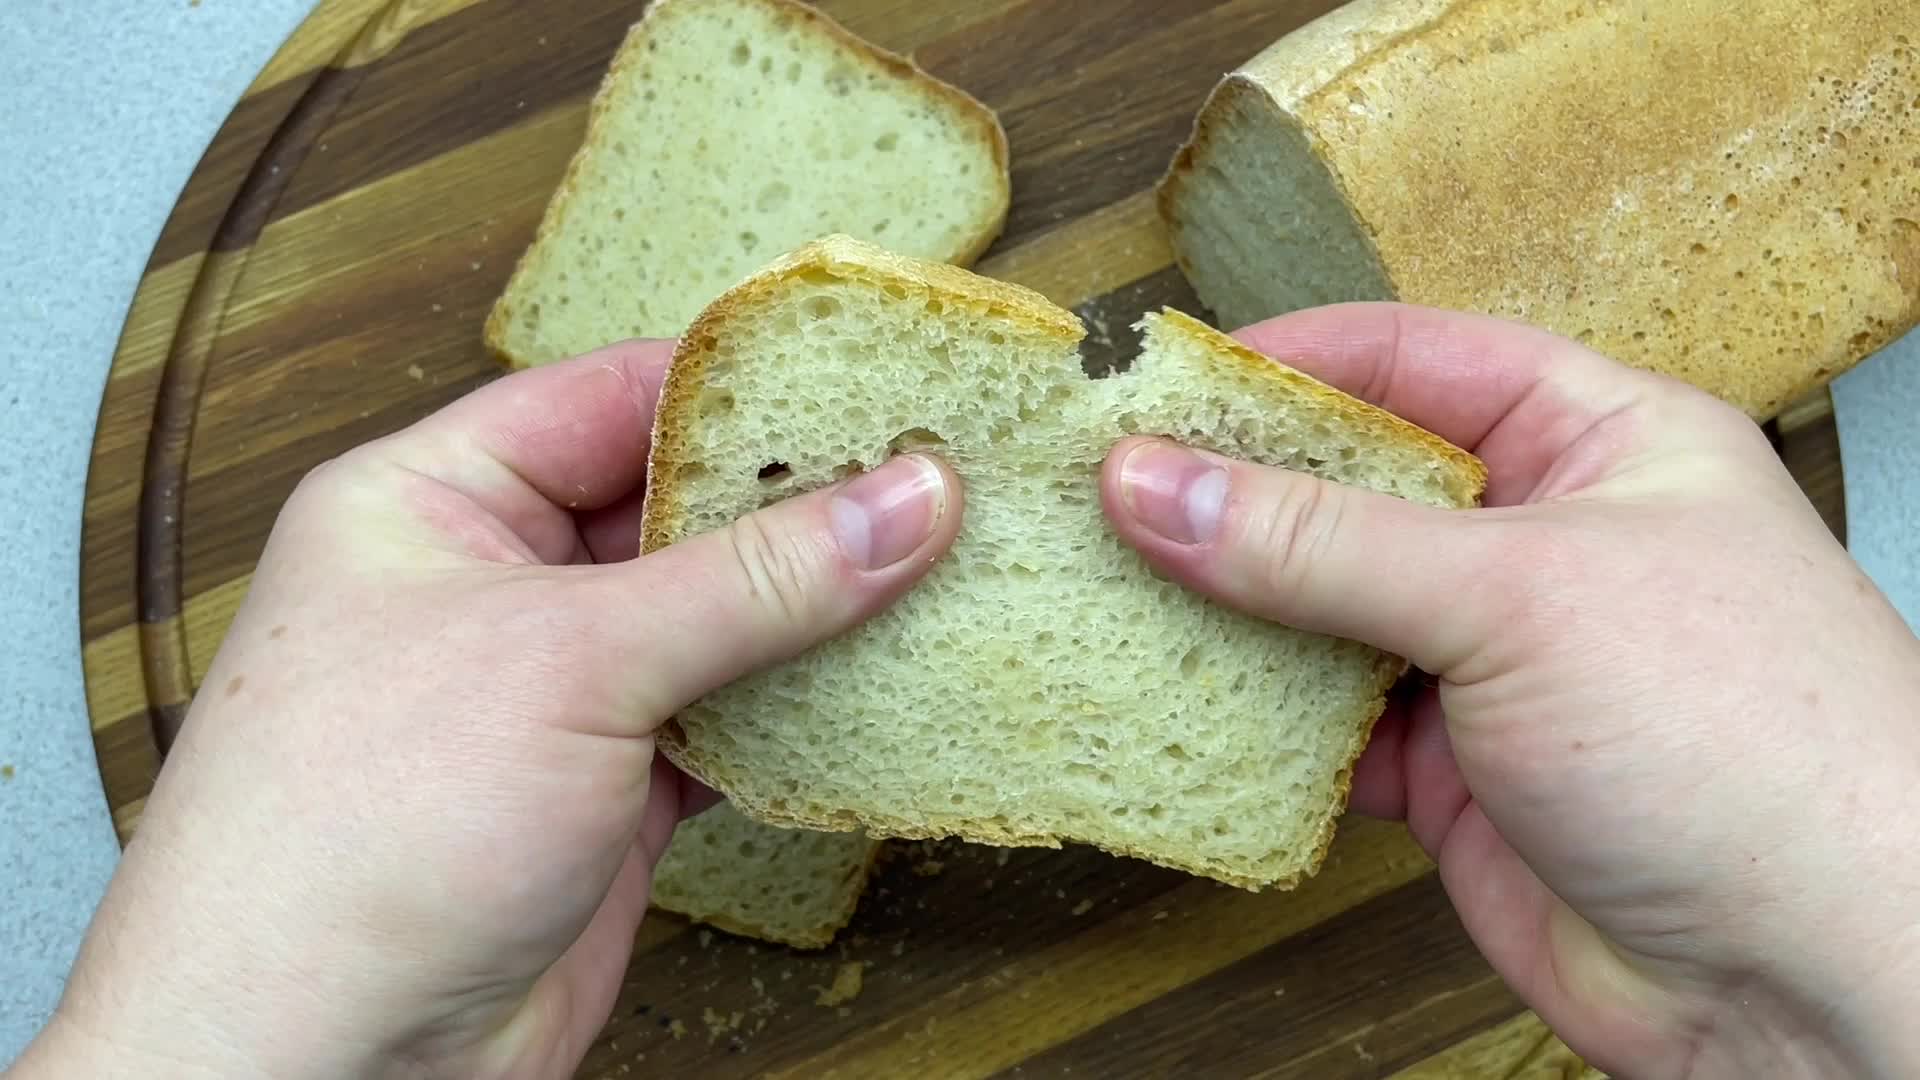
x,y
409,824
1670,771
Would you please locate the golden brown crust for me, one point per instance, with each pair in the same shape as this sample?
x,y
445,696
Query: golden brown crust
x,y
845,259
631,52
839,257
1467,476
1623,174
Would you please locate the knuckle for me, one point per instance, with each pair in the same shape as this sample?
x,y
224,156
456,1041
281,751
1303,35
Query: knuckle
x,y
774,567
1292,533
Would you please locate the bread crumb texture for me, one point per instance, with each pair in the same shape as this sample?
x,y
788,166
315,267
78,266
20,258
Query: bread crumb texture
x,y
1727,193
1041,684
725,133
796,887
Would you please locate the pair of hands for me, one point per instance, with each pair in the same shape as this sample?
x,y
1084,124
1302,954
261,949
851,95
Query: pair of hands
x,y
1668,769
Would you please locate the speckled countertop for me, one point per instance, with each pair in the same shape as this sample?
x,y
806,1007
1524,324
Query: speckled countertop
x,y
109,105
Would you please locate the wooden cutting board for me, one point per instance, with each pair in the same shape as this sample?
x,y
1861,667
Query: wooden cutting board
x,y
323,281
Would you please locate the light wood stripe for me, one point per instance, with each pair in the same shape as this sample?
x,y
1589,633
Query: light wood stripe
x,y
984,1027
1521,1049
116,686
126,817
350,31
1090,255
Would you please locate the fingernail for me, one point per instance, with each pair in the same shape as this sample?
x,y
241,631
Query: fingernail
x,y
1173,491
884,516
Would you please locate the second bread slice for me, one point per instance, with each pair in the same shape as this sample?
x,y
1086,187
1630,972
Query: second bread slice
x,y
1041,684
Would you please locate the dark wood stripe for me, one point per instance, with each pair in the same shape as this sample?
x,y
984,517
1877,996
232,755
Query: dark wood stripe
x,y
1810,453
415,103
1400,963
938,916
277,167
421,100
128,762
1112,340
1067,162
426,97
228,160
164,723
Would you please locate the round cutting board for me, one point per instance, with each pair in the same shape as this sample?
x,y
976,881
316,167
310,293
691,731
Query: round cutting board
x,y
323,281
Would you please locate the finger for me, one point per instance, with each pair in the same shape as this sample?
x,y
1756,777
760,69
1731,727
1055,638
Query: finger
x,y
1552,958
1407,772
1379,786
1516,396
571,1000
611,534
776,582
1436,791
537,445
1308,553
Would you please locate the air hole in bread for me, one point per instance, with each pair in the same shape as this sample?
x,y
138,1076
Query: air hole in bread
x,y
914,440
773,197
887,142
742,53
820,307
774,471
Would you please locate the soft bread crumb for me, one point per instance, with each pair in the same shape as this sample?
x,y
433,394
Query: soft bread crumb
x,y
725,133
1040,685
796,887
846,985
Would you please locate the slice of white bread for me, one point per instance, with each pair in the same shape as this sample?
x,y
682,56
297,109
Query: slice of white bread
x,y
725,133
1041,684
797,887
1724,192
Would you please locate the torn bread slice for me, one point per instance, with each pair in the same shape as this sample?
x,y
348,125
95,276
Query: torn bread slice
x,y
725,133
796,887
1041,685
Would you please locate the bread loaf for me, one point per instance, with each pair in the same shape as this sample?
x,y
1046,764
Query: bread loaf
x,y
1725,192
1041,684
725,133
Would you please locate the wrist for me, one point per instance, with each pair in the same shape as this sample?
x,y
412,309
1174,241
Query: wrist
x,y
112,1035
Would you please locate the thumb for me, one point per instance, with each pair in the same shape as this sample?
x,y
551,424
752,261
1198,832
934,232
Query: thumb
x,y
776,582
1315,555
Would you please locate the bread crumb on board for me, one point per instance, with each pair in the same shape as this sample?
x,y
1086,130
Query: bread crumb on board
x,y
846,985
676,1029
719,1024
1082,907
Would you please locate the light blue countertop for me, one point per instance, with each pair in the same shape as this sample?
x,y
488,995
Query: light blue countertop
x,y
109,105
